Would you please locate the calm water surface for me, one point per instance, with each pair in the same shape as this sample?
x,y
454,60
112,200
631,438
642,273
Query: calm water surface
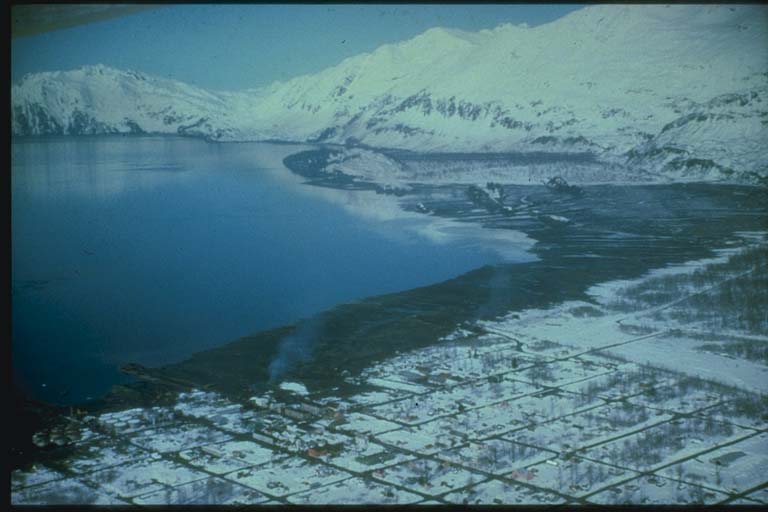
x,y
149,249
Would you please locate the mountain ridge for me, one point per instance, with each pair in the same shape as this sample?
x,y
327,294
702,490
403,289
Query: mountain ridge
x,y
679,90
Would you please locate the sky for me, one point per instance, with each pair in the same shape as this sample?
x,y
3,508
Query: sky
x,y
234,47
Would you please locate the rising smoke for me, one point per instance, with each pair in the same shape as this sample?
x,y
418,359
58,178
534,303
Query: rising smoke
x,y
497,299
295,348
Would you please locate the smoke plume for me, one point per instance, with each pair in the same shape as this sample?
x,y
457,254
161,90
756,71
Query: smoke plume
x,y
295,348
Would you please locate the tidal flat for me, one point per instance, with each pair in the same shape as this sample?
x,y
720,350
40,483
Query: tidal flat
x,y
606,233
527,382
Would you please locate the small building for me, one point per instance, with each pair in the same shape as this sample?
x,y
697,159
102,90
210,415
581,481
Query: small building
x,y
411,376
264,438
261,401
315,452
311,409
295,415
213,452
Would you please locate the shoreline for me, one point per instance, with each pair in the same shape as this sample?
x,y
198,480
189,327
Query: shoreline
x,y
355,335
408,154
479,294
471,377
542,245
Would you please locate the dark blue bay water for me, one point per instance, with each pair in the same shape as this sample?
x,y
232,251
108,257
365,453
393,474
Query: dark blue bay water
x,y
149,249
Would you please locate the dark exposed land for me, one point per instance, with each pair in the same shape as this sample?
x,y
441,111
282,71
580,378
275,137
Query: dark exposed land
x,y
609,232
618,399
605,233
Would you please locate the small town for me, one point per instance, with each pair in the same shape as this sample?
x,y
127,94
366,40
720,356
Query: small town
x,y
581,403
316,254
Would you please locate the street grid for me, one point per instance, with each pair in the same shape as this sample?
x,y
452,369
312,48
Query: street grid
x,y
492,415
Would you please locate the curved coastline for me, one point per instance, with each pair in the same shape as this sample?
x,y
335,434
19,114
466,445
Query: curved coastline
x,y
350,337
629,229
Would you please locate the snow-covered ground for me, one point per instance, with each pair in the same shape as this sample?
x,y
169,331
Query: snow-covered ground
x,y
644,335
543,406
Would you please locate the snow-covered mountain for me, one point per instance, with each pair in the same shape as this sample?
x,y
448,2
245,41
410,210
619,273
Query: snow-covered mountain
x,y
99,99
679,90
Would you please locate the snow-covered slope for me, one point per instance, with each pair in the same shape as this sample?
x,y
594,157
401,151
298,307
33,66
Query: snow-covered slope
x,y
99,99
679,90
